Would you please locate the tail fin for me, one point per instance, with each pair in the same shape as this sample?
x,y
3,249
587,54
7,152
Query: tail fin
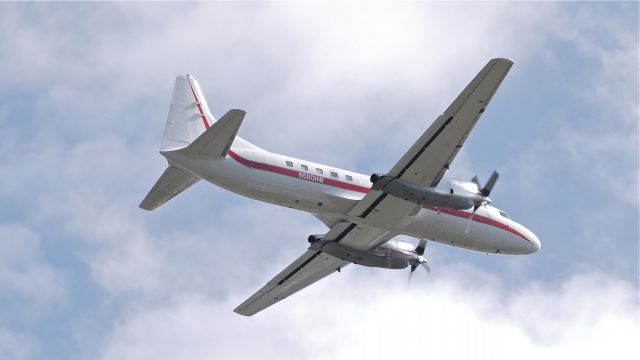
x,y
189,115
212,143
191,131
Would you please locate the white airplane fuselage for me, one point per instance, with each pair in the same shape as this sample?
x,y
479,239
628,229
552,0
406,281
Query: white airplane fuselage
x,y
283,180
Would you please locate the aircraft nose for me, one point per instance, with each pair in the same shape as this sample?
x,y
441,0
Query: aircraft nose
x,y
534,241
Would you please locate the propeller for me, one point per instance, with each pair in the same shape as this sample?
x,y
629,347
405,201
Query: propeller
x,y
420,260
486,190
476,181
484,193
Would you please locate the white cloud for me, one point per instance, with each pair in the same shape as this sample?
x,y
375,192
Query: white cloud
x,y
301,69
460,314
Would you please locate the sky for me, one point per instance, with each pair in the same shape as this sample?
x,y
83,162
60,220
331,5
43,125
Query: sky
x,y
84,273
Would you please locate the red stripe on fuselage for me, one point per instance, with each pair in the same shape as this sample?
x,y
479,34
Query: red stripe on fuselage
x,y
335,183
296,174
204,118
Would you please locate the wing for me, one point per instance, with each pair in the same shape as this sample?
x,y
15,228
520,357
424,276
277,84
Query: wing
x,y
429,158
312,266
328,220
304,271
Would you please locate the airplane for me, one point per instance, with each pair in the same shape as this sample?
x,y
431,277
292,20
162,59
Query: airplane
x,y
362,213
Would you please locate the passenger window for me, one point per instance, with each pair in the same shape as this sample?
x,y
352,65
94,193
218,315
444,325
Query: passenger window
x,y
289,163
349,178
333,174
319,171
304,167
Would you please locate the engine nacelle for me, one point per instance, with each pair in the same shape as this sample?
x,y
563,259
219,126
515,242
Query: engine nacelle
x,y
424,195
370,258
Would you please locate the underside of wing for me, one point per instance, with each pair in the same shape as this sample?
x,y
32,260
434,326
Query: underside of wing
x,y
312,266
429,158
304,271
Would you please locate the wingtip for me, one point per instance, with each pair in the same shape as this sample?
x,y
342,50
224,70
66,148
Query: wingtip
x,y
500,59
243,112
239,312
145,206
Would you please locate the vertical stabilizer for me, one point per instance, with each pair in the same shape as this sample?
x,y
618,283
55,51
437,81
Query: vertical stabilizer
x,y
189,114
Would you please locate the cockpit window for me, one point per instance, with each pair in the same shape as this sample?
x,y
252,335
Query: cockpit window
x,y
504,214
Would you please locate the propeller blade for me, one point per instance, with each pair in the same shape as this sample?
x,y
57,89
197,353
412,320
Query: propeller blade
x,y
486,190
476,181
420,248
473,213
466,231
413,268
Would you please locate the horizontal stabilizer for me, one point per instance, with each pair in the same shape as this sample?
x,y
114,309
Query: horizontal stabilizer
x,y
217,139
172,182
